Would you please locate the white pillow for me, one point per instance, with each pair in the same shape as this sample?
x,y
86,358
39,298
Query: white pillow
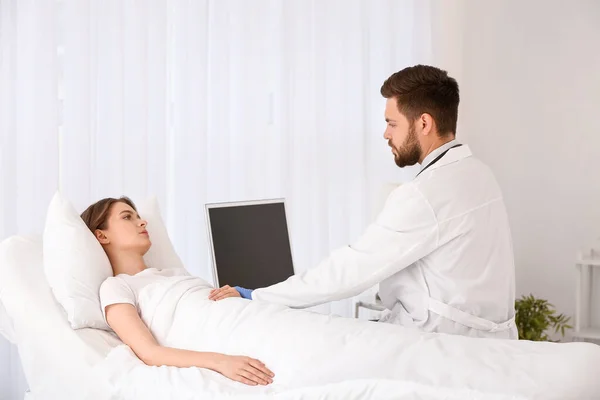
x,y
75,263
162,253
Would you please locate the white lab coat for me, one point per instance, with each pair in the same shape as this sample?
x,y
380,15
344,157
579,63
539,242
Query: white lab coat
x,y
441,251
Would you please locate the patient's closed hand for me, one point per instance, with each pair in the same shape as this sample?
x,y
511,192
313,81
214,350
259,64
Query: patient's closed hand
x,y
223,293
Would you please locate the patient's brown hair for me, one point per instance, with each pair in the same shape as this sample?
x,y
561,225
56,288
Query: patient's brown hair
x,y
96,215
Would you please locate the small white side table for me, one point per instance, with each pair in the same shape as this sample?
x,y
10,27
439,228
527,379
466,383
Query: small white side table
x,y
372,302
587,265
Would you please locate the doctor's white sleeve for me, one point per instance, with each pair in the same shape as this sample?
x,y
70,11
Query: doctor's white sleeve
x,y
405,231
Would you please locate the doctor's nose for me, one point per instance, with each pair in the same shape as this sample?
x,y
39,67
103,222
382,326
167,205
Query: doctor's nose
x,y
143,223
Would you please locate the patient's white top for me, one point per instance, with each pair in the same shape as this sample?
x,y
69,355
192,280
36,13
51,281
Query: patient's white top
x,y
146,289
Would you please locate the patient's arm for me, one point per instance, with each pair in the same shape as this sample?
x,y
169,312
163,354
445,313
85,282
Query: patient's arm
x,y
127,324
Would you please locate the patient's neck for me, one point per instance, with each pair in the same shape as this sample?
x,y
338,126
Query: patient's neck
x,y
126,262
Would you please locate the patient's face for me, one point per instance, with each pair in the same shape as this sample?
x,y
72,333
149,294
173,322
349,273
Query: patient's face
x,y
401,136
126,230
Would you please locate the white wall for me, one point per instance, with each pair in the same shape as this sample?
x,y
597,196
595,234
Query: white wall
x,y
531,110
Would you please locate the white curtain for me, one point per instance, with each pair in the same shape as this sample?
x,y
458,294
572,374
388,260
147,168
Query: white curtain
x,y
28,133
201,101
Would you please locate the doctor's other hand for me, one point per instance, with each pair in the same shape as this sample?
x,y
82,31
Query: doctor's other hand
x,y
223,293
244,369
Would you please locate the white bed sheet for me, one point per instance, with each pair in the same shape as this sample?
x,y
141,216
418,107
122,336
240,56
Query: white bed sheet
x,y
358,359
546,372
130,379
60,363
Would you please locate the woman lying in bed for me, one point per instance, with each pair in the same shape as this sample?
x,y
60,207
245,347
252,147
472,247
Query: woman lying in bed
x,y
166,318
122,233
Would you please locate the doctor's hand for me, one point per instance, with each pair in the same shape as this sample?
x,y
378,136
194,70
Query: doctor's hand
x,y
244,369
223,293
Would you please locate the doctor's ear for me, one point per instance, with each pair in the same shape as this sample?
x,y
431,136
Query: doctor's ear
x,y
101,237
426,123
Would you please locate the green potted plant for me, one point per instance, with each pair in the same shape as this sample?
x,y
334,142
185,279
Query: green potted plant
x,y
535,316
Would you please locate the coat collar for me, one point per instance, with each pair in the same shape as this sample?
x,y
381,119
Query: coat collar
x,y
452,156
435,153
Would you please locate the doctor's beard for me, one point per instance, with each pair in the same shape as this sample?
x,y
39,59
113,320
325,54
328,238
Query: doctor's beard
x,y
410,151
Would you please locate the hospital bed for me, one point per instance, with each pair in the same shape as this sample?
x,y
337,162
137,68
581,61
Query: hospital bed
x,y
57,360
62,363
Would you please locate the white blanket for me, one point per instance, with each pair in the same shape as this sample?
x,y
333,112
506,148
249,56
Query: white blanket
x,y
319,356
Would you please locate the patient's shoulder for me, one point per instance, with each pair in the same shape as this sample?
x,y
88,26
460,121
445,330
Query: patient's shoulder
x,y
115,285
112,280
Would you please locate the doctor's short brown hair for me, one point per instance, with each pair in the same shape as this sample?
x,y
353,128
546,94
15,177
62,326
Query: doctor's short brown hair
x,y
96,215
425,89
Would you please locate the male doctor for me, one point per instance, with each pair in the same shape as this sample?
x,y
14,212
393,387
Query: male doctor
x,y
441,248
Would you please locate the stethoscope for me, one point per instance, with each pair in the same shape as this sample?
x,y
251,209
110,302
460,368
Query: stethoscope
x,y
437,159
